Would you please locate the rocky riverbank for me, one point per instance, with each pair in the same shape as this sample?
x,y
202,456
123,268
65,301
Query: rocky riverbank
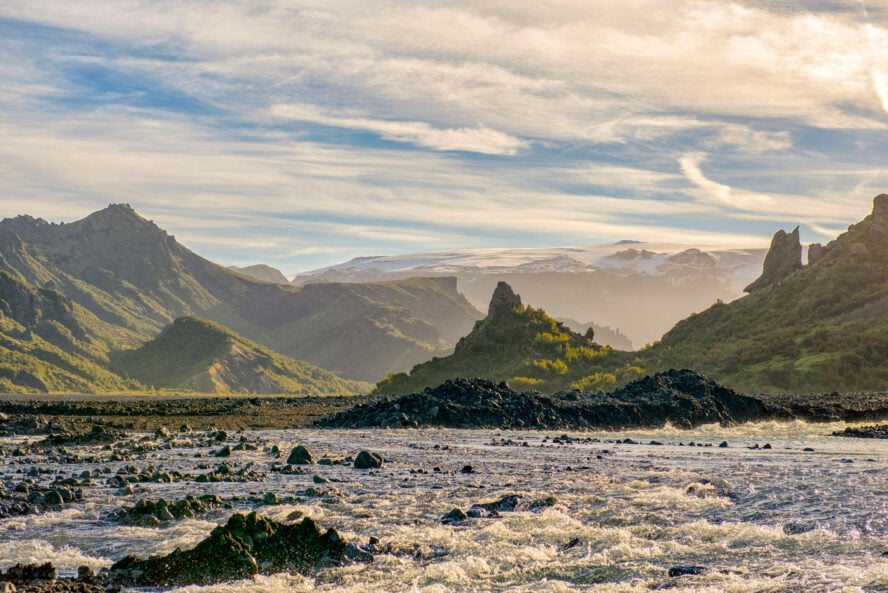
x,y
682,398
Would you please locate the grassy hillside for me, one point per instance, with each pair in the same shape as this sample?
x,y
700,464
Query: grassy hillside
x,y
529,350
48,343
199,355
135,279
822,328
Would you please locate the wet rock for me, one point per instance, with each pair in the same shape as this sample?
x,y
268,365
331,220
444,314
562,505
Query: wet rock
x,y
24,574
878,431
223,452
783,258
242,548
454,517
368,460
86,574
678,571
150,513
300,456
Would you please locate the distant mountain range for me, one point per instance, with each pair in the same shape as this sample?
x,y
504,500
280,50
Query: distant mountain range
x,y
114,280
805,328
638,289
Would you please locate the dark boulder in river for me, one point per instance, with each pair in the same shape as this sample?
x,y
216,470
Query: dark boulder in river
x,y
244,547
682,398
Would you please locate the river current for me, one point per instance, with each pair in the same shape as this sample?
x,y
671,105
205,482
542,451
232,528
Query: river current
x,y
807,514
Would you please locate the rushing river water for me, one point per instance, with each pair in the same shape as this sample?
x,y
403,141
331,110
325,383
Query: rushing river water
x,y
783,519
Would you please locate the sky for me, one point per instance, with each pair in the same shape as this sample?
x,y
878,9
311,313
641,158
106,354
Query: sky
x,y
304,133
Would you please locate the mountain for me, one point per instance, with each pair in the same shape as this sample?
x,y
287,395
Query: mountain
x,y
524,347
48,343
604,335
199,355
134,279
262,272
642,289
819,327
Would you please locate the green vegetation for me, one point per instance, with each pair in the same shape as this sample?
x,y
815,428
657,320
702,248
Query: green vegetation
x,y
823,328
199,355
529,350
125,279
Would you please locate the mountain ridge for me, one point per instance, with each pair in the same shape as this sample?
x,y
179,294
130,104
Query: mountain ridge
x,y
136,278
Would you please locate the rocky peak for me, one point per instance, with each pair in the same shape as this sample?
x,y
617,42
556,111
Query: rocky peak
x,y
880,205
784,257
503,298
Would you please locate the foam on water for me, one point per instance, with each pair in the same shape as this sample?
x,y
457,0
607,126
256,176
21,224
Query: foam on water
x,y
778,520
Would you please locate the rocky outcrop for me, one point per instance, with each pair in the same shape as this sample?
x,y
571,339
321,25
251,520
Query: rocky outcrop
x,y
784,257
503,298
683,398
815,252
244,547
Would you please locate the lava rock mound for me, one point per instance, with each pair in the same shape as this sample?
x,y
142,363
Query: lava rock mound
x,y
682,398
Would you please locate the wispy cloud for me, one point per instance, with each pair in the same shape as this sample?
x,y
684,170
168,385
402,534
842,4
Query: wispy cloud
x,y
480,139
719,192
313,130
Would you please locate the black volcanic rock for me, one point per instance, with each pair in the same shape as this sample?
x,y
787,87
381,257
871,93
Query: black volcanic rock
x,y
682,398
242,548
784,257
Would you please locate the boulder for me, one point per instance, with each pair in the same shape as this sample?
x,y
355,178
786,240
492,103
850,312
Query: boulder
x,y
300,456
368,460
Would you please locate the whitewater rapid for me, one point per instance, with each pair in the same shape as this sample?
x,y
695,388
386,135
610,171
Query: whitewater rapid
x,y
810,513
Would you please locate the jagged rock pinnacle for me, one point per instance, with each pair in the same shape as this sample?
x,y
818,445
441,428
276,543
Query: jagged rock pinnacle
x,y
784,257
503,297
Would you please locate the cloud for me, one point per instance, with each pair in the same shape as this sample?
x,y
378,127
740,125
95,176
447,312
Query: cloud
x,y
234,115
480,139
718,192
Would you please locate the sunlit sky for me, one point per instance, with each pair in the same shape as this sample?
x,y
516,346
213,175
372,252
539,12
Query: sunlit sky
x,y
304,133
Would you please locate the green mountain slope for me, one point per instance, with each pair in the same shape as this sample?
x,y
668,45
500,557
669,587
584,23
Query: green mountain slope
x,y
823,327
526,348
48,343
199,355
135,278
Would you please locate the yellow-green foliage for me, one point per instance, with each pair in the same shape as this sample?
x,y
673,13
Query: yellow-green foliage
x,y
523,346
524,383
596,382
